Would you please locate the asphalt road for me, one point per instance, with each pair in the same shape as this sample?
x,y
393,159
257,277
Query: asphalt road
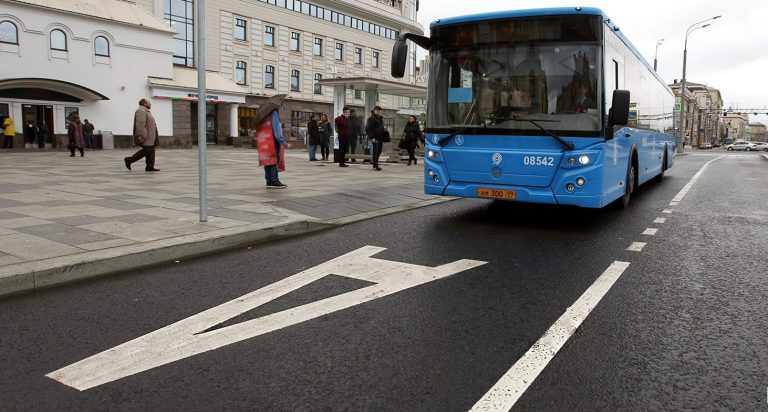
x,y
683,327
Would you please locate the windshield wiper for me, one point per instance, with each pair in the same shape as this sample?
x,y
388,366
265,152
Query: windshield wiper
x,y
566,144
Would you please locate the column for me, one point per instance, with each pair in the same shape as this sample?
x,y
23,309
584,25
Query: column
x,y
233,121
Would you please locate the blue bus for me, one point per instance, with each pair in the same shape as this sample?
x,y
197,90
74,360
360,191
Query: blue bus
x,y
551,106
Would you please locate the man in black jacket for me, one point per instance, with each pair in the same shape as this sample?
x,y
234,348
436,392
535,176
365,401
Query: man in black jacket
x,y
354,133
375,130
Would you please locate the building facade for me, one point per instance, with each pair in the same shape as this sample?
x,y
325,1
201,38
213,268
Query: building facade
x,y
734,127
757,132
270,47
91,57
703,109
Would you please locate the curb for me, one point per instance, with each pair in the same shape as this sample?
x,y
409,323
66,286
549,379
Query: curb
x,y
31,276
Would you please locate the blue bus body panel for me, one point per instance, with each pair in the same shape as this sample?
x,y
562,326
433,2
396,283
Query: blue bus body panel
x,y
538,169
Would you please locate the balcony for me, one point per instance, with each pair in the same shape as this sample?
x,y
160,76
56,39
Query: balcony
x,y
391,3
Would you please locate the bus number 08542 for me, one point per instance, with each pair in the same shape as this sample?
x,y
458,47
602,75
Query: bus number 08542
x,y
538,160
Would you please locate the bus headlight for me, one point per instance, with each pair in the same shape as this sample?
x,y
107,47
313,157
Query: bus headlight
x,y
571,161
436,178
584,159
430,172
580,181
433,154
570,187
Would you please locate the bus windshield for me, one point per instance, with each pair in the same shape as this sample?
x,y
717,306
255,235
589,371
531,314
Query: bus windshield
x,y
497,76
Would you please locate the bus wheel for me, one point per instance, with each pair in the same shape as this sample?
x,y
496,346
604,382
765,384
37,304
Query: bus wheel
x,y
660,176
629,187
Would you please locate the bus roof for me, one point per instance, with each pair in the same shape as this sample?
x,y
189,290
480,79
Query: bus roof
x,y
508,14
554,11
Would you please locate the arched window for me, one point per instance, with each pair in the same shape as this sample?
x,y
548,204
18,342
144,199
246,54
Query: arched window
x,y
58,40
101,46
8,32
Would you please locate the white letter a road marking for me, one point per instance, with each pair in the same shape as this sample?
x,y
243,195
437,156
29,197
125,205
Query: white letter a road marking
x,y
184,338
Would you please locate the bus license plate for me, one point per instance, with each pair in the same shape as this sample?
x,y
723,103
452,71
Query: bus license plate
x,y
496,193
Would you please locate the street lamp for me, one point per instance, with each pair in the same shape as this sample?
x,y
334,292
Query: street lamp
x,y
658,43
681,126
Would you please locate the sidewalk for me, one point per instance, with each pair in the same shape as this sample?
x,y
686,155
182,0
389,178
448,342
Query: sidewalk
x,y
65,218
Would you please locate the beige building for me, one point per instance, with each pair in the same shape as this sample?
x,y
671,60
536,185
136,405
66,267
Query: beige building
x,y
703,106
735,127
758,132
268,47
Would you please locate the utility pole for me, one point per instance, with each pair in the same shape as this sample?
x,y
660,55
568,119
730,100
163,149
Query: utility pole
x,y
202,140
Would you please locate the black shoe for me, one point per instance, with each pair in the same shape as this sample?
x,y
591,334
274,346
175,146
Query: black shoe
x,y
127,161
353,161
312,160
152,170
378,169
343,165
409,163
276,185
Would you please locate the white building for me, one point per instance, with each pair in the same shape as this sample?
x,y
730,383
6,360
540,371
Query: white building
x,y
86,56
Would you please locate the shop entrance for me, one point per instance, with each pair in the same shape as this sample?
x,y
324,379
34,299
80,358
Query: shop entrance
x,y
211,123
40,118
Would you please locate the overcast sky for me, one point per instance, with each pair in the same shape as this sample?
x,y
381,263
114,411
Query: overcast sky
x,y
730,55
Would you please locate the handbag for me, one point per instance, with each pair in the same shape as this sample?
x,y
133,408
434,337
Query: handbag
x,y
71,145
402,144
385,137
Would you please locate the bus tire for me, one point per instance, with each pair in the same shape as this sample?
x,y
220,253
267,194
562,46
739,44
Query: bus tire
x,y
660,176
629,187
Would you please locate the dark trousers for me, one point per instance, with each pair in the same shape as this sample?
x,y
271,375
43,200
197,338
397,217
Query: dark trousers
x,y
377,148
270,173
8,142
411,152
352,145
343,145
72,151
90,142
324,149
149,152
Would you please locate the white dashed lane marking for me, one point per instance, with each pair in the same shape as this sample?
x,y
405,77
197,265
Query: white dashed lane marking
x,y
636,246
650,231
660,220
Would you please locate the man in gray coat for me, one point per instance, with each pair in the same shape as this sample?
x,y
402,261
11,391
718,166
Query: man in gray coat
x,y
144,135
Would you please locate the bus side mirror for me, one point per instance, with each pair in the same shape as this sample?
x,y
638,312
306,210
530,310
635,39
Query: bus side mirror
x,y
619,113
399,58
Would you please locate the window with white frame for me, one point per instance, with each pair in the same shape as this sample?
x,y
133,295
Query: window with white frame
x,y
240,72
375,59
339,51
9,33
101,46
240,29
58,40
269,36
318,87
295,75
269,77
318,49
358,55
295,37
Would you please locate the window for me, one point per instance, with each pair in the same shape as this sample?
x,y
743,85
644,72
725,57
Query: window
x,y
358,55
269,36
358,94
376,59
179,14
318,49
339,51
101,46
295,80
240,26
269,77
295,41
9,33
318,87
240,77
58,40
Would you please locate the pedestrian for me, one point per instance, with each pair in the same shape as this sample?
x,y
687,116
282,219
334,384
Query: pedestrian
x,y
375,130
326,131
412,136
30,133
313,129
355,134
42,134
270,141
342,131
75,134
9,132
88,130
144,135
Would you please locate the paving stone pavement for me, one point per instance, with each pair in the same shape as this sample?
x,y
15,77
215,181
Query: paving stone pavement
x,y
68,218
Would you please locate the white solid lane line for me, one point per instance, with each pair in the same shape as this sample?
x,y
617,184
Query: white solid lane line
x,y
514,383
681,194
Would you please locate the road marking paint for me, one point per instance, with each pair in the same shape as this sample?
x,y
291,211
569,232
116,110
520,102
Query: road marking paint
x,y
650,231
667,211
660,220
673,203
681,194
187,338
506,392
636,246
